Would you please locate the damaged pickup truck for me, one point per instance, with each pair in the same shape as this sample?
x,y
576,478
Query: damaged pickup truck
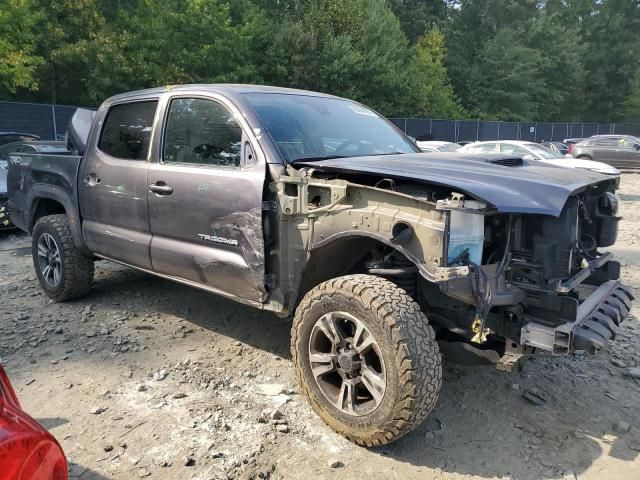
x,y
314,206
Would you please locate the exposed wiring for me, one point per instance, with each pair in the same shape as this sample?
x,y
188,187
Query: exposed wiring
x,y
483,292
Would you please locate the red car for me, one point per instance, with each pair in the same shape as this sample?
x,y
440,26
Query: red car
x,y
27,450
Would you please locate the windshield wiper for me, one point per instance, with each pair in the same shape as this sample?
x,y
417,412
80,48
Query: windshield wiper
x,y
316,159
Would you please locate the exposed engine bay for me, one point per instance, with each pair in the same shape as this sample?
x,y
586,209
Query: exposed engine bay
x,y
536,283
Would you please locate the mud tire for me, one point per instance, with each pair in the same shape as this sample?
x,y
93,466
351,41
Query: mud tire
x,y
406,341
76,273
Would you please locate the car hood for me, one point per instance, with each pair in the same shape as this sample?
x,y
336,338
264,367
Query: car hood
x,y
529,187
570,162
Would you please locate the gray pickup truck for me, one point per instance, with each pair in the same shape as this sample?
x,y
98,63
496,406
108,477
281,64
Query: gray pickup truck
x,y
316,207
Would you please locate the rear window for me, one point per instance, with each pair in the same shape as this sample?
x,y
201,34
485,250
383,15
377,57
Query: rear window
x,y
127,130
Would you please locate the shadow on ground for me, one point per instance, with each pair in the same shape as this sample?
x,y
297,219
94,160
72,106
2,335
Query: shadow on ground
x,y
478,408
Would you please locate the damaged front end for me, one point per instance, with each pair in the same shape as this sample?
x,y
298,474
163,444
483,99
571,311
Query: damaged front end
x,y
496,282
542,285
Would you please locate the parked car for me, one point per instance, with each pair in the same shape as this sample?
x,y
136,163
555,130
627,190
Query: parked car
x,y
434,146
8,137
619,149
536,152
27,450
316,207
559,147
57,148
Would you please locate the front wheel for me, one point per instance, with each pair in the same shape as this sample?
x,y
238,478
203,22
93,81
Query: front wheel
x,y
366,358
64,271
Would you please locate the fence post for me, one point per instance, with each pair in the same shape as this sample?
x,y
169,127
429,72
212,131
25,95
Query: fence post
x,y
477,130
55,127
551,139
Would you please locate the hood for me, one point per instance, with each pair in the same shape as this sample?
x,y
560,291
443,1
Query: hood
x,y
524,187
570,162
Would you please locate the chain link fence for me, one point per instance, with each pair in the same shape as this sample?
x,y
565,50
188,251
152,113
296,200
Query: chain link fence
x,y
474,130
47,121
50,122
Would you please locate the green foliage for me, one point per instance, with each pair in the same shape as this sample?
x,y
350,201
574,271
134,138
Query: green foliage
x,y
19,23
534,60
435,98
631,104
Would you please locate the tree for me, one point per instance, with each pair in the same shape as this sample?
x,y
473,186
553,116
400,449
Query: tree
x,y
435,96
417,17
612,34
631,104
19,23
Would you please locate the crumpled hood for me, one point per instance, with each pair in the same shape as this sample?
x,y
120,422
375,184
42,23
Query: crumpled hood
x,y
530,188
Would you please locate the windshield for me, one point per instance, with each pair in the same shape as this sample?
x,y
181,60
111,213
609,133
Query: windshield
x,y
543,152
308,127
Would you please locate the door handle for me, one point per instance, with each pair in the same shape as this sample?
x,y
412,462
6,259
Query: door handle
x,y
160,188
91,180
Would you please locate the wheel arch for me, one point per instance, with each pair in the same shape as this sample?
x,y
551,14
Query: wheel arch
x,y
49,200
339,255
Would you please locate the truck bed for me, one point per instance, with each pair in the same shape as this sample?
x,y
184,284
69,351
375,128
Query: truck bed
x,y
40,175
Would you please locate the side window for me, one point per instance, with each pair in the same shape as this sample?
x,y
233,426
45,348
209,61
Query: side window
x,y
513,149
628,143
201,132
485,148
607,142
127,130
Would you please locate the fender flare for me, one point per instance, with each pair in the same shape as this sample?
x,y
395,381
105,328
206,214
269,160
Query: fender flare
x,y
40,192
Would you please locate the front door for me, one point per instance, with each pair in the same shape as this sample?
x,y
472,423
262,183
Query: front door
x,y
205,199
113,183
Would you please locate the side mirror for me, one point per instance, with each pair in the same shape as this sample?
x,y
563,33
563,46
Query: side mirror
x,y
528,158
637,146
412,139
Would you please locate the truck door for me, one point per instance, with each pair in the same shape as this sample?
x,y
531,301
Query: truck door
x,y
112,182
205,198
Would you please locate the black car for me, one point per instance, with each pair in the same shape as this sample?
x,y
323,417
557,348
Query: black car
x,y
31,145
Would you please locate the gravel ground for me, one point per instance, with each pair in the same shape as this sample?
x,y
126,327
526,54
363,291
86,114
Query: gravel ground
x,y
147,378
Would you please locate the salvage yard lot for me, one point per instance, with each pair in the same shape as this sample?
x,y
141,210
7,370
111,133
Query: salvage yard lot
x,y
148,378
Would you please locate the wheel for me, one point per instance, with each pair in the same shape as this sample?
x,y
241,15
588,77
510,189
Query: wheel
x,y
584,157
64,272
366,358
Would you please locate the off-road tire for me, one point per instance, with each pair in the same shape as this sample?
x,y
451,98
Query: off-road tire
x,y
409,351
77,268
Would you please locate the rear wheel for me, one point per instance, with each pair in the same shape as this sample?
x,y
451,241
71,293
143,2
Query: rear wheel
x,y
366,358
64,271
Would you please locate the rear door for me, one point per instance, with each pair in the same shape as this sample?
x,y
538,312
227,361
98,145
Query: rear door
x,y
606,148
205,197
112,182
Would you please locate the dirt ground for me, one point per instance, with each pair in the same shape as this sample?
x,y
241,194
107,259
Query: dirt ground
x,y
147,378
